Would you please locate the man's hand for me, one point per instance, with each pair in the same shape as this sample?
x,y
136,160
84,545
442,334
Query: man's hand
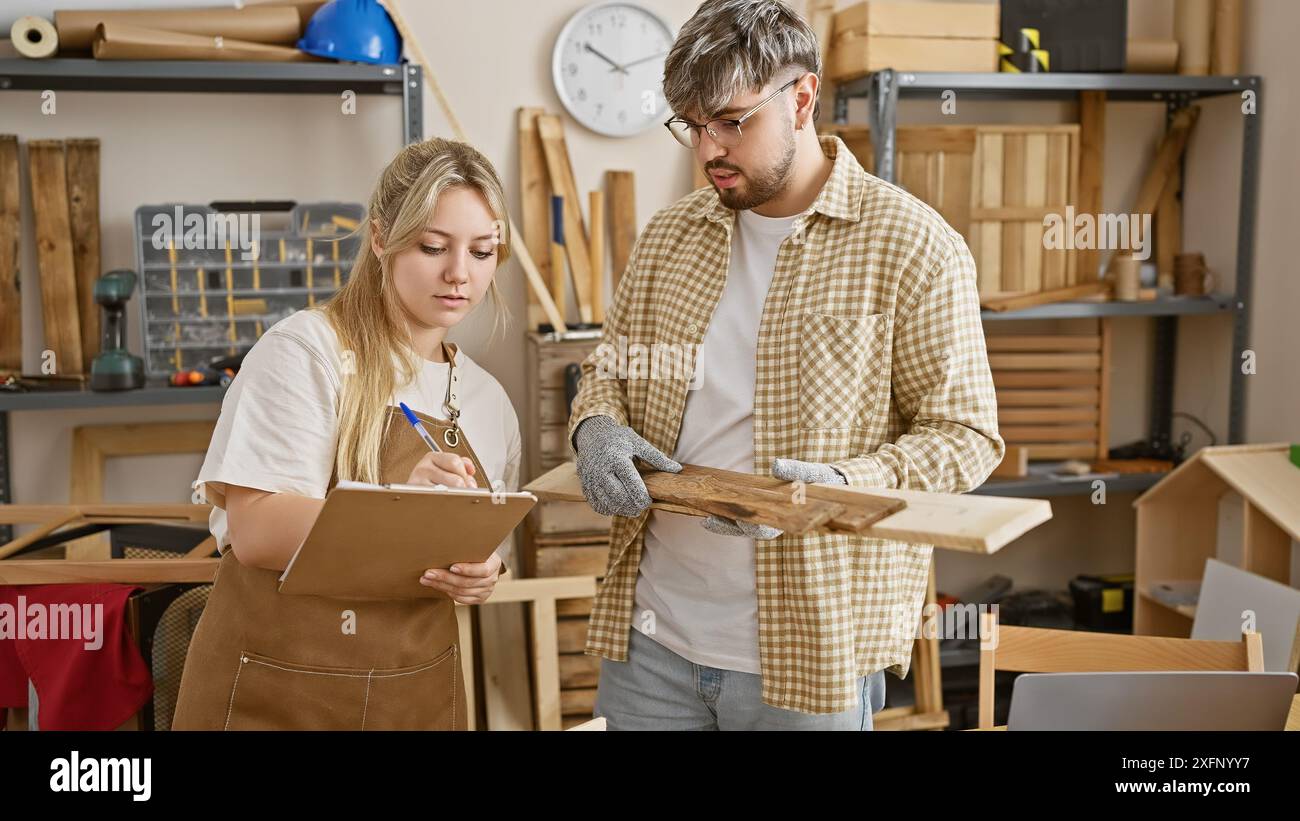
x,y
610,480
791,470
465,582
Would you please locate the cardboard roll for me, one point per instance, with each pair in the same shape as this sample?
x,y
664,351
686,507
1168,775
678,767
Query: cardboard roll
x,y
34,37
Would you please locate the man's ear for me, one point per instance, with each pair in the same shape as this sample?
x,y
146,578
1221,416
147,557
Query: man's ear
x,y
376,238
805,99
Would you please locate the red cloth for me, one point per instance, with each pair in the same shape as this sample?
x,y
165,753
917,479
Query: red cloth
x,y
78,688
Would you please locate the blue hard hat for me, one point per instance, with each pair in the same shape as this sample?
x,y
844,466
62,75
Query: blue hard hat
x,y
355,30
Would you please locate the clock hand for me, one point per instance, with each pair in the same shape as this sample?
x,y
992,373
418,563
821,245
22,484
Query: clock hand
x,y
616,66
644,59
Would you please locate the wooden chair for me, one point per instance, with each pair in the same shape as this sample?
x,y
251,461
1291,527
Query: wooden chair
x,y
1038,650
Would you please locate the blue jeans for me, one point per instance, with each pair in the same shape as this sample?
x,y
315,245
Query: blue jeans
x,y
656,689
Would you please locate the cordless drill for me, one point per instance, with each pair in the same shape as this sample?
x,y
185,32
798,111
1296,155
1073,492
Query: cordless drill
x,y
115,368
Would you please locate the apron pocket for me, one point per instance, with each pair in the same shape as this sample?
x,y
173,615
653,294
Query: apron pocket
x,y
421,697
271,694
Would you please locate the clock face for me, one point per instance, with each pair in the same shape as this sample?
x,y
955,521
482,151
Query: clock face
x,y
608,68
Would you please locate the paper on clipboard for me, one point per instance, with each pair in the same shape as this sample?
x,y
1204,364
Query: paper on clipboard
x,y
375,541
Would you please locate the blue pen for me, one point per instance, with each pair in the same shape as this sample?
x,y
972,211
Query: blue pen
x,y
419,428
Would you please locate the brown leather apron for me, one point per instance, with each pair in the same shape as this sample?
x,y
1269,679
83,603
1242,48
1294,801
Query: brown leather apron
x,y
260,660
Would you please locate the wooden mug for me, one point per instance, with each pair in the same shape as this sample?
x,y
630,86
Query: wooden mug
x,y
1128,276
1192,277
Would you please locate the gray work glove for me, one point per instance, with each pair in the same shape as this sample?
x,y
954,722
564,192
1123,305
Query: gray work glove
x,y
789,470
610,480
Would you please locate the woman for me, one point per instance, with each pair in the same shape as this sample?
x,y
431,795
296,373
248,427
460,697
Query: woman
x,y
316,401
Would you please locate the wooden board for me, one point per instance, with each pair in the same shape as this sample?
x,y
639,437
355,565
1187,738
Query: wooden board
x,y
551,130
83,213
534,203
620,189
11,304
1092,152
980,524
54,256
596,210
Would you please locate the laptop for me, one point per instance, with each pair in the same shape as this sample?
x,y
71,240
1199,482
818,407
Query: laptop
x,y
1182,700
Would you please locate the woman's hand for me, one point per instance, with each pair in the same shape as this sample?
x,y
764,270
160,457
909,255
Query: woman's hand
x,y
443,468
466,582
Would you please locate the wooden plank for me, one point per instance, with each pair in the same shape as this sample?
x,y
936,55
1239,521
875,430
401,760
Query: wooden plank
x,y
578,670
982,524
1024,434
159,513
574,607
507,697
528,590
535,203
1046,379
1023,416
465,634
620,188
1035,194
577,703
1013,303
1050,452
710,494
11,304
596,210
1058,191
110,571
1044,361
989,168
571,634
1166,159
546,670
1092,152
54,256
1103,400
1021,213
1169,228
955,201
1013,195
560,173
1042,342
1039,398
572,561
83,214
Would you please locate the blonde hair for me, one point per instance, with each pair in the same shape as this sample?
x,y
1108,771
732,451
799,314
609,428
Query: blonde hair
x,y
366,312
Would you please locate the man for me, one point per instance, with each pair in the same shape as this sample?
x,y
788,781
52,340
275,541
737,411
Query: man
x,y
836,334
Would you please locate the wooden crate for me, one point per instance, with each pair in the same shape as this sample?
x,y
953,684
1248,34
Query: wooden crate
x,y
1052,392
994,184
545,434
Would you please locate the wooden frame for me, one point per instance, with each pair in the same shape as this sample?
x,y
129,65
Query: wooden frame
x,y
1038,650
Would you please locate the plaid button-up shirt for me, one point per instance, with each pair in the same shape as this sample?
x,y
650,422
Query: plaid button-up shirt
x,y
870,357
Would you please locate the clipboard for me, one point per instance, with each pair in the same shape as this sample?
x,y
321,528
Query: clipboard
x,y
376,541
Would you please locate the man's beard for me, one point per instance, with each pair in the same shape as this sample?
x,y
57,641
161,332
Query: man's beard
x,y
762,187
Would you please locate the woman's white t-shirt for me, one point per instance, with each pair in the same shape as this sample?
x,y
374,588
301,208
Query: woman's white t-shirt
x,y
278,428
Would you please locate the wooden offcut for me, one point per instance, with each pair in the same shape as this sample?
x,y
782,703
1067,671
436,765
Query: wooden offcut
x,y
620,189
535,203
54,254
560,172
83,213
11,305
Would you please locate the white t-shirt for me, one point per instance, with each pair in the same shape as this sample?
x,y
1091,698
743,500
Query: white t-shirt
x,y
699,585
278,428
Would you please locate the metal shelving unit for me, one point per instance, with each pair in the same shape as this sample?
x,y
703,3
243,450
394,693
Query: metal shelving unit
x,y
198,77
883,90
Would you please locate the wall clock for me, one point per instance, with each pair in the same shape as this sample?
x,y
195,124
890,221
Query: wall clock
x,y
608,68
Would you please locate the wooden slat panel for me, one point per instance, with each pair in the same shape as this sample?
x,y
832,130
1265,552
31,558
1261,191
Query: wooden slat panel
x,y
955,201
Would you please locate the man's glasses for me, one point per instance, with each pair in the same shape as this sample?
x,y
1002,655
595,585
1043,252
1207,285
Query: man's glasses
x,y
725,133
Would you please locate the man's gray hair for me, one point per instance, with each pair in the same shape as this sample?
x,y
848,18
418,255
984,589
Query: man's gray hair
x,y
731,47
